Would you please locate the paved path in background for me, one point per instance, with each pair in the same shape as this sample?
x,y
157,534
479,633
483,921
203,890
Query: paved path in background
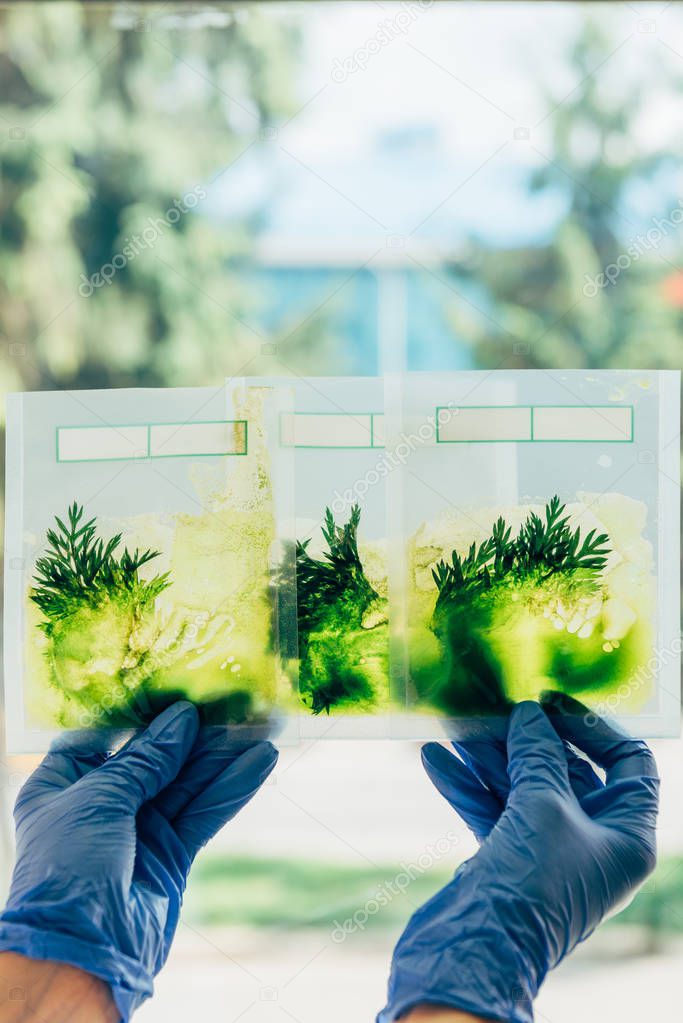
x,y
228,976
359,801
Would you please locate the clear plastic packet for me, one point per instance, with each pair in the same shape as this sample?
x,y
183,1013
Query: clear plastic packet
x,y
336,434
534,537
144,532
379,481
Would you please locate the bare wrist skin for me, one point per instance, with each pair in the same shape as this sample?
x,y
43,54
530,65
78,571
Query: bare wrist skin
x,y
439,1014
37,991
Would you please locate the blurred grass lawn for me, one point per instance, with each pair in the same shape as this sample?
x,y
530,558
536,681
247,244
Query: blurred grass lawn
x,y
244,891
295,893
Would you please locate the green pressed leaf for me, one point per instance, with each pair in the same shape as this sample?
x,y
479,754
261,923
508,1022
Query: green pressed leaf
x,y
333,597
80,570
544,546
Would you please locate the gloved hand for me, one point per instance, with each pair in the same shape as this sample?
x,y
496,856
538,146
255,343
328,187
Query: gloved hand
x,y
559,850
482,746
104,846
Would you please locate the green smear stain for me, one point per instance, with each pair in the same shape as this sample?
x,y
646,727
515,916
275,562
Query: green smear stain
x,y
344,669
207,638
584,633
343,635
495,637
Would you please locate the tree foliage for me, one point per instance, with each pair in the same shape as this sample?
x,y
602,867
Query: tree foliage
x,y
536,307
111,115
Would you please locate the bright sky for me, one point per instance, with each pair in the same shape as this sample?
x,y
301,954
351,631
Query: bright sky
x,y
475,81
498,51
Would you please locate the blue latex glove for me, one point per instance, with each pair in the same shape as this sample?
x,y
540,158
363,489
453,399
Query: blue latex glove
x,y
559,850
104,846
482,746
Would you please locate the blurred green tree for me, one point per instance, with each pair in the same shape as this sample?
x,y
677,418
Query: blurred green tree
x,y
538,306
112,116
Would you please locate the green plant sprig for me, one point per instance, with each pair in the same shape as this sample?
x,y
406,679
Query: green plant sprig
x,y
339,576
333,595
79,568
543,547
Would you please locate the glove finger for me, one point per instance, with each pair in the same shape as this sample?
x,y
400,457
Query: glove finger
x,y
458,784
623,799
487,759
161,859
482,744
214,750
582,777
224,797
536,754
629,806
59,770
149,762
620,756
630,800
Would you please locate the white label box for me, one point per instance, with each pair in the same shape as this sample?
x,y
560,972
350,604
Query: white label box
x,y
537,423
584,423
101,443
174,440
457,425
160,440
327,430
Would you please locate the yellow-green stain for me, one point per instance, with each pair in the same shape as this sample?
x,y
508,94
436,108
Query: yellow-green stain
x,y
207,638
509,643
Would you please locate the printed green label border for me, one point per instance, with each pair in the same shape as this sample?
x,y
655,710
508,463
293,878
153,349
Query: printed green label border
x,y
334,447
148,456
532,439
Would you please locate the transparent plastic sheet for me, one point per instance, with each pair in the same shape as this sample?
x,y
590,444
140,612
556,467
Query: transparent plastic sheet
x,y
600,450
423,459
189,473
336,434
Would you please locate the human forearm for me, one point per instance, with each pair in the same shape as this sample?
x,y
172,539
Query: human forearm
x,y
104,848
36,991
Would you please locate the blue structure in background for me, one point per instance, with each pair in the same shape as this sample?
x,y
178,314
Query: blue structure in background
x,y
358,244
346,303
292,299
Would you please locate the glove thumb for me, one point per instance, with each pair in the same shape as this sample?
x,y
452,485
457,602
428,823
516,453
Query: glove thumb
x,y
536,754
224,797
150,761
